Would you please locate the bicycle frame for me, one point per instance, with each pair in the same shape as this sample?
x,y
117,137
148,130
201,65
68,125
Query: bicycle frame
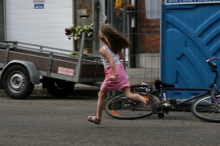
x,y
208,92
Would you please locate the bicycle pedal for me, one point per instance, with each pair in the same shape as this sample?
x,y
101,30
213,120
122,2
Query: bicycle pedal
x,y
173,107
165,105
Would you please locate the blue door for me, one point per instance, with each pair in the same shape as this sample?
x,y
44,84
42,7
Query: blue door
x,y
190,35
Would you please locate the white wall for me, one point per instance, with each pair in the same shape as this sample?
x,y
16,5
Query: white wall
x,y
153,9
39,26
149,60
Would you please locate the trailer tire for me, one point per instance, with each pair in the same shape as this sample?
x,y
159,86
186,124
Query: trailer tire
x,y
60,88
17,83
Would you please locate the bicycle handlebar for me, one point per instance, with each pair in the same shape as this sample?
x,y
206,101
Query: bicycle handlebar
x,y
214,68
212,63
214,58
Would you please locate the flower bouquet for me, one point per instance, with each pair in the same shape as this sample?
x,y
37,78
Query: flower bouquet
x,y
75,31
129,7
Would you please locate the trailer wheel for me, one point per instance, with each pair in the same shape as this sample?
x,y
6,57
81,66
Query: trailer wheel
x,y
17,83
59,88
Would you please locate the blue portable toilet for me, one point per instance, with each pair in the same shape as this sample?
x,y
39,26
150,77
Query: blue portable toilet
x,y
190,35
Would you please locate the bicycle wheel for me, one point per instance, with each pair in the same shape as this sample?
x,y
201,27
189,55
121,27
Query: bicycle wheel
x,y
207,109
121,108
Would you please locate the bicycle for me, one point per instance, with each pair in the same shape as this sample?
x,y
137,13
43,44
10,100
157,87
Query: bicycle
x,y
206,106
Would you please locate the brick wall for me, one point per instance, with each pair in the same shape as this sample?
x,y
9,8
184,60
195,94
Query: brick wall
x,y
149,29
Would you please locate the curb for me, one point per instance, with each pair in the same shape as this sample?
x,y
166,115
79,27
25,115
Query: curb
x,y
78,91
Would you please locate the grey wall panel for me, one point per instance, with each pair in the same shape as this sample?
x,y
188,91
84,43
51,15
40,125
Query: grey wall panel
x,y
153,8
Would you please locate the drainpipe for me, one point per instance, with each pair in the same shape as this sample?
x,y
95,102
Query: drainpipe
x,y
111,12
74,21
133,40
96,26
124,27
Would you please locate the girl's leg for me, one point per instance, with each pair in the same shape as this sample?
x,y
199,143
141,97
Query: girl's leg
x,y
100,103
133,96
139,98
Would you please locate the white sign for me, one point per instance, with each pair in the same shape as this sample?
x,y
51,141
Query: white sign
x,y
39,1
170,2
65,71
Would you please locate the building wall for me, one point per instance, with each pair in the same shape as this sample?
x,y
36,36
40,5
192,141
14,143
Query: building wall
x,y
148,55
149,31
1,21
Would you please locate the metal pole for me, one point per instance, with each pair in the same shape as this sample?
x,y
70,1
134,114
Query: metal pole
x,y
112,24
108,12
124,27
96,27
132,37
74,22
161,21
111,12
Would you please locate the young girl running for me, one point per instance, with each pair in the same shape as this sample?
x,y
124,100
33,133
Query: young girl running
x,y
115,77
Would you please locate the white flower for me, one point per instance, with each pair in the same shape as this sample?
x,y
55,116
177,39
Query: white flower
x,y
77,30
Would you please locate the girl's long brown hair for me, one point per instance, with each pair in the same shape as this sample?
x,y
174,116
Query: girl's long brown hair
x,y
113,39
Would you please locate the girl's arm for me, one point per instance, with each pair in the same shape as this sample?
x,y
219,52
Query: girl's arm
x,y
111,61
121,55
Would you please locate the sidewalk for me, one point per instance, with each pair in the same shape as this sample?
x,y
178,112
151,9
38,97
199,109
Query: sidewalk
x,y
85,91
79,90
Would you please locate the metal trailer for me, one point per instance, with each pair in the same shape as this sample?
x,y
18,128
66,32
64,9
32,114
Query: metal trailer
x,y
24,65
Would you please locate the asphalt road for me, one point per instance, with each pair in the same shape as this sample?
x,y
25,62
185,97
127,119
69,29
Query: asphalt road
x,y
48,121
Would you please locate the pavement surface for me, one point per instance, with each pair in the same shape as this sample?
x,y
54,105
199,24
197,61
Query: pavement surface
x,y
84,92
48,121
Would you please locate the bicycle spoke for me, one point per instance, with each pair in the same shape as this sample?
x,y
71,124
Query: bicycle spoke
x,y
122,108
203,109
206,109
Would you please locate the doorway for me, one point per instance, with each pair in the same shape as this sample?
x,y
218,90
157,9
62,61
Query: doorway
x,y
88,12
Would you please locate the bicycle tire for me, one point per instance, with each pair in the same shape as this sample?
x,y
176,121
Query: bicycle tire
x,y
207,109
121,108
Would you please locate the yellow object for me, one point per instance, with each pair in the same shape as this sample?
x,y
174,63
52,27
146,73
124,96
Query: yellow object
x,y
85,52
118,3
77,54
74,53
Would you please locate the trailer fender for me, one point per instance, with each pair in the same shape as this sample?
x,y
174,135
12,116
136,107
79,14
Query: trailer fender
x,y
33,71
